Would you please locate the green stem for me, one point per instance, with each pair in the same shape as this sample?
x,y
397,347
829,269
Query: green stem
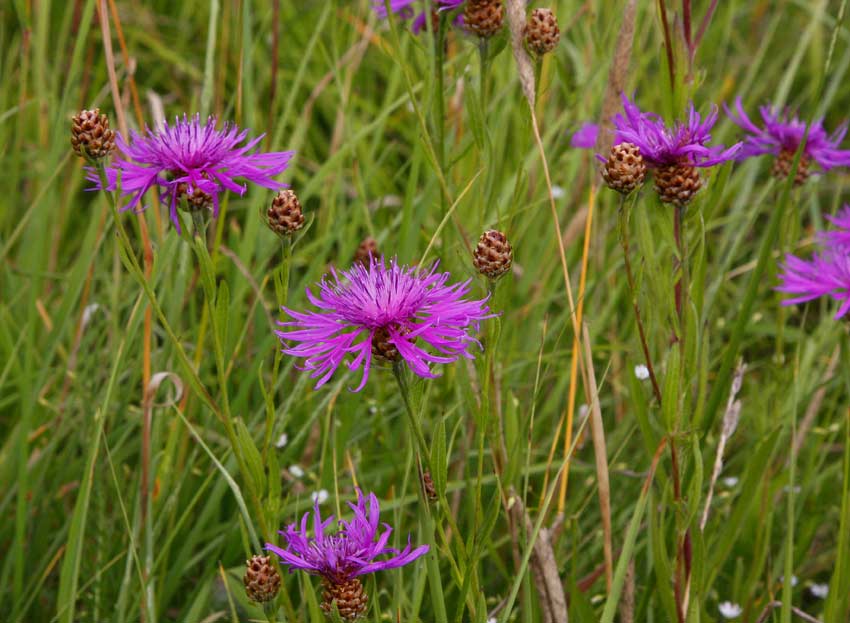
x,y
199,244
625,208
434,579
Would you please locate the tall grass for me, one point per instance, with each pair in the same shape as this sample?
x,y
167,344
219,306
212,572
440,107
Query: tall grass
x,y
121,406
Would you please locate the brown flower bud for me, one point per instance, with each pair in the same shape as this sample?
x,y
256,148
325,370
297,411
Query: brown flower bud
x,y
625,169
541,31
285,215
493,255
782,167
367,248
677,183
91,137
350,598
262,581
484,17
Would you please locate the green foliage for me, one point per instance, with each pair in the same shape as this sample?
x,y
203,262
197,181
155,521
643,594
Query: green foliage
x,y
423,161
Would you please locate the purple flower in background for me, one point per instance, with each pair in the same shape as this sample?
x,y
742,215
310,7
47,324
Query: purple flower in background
x,y
662,145
354,549
192,160
383,310
404,8
781,136
840,236
585,137
826,274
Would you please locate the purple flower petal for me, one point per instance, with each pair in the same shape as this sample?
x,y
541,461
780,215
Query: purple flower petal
x,y
426,320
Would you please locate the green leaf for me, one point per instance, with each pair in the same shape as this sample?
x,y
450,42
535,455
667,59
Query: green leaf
x,y
439,462
253,461
222,304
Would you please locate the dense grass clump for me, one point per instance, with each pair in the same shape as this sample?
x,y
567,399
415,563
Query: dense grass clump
x,y
532,386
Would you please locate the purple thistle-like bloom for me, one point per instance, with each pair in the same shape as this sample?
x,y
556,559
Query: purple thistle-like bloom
x,y
404,8
783,133
826,274
187,158
384,309
660,145
351,551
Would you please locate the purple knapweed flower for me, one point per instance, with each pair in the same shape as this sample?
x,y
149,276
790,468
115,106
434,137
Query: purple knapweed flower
x,y
841,235
353,550
682,143
192,160
781,136
404,9
585,137
388,311
826,274
357,547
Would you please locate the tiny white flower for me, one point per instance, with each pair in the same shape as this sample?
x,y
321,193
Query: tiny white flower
x,y
296,471
730,481
794,580
641,372
282,441
89,311
321,496
787,489
583,410
729,610
492,620
820,590
558,192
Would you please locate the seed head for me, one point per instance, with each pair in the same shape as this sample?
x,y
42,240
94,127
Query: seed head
x,y
368,248
285,214
493,255
262,581
484,17
625,169
90,135
677,183
541,32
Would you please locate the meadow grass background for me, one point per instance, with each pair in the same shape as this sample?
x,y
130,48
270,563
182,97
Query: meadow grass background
x,y
357,101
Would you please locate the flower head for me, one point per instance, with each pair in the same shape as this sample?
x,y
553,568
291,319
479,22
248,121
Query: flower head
x,y
782,133
193,160
826,274
388,311
662,145
353,550
404,8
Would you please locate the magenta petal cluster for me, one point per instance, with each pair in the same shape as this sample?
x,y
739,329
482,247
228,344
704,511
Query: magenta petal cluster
x,y
826,274
663,145
355,548
404,8
406,307
191,155
783,132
